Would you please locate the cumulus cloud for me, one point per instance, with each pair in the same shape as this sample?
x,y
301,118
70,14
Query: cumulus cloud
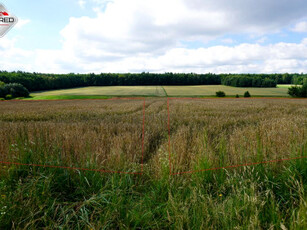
x,y
243,58
255,58
81,3
147,35
300,27
14,58
154,26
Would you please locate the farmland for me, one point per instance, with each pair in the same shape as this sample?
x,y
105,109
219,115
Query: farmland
x,y
157,91
107,91
209,90
128,184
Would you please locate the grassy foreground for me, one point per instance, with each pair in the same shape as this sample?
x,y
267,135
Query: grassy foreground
x,y
107,135
157,91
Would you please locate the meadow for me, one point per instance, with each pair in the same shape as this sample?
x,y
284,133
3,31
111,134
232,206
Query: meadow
x,y
155,191
157,91
104,91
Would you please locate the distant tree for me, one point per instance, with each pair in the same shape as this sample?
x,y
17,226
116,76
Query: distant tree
x,y
237,96
247,94
220,94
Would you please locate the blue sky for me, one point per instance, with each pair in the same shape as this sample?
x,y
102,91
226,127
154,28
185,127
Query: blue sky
x,y
156,36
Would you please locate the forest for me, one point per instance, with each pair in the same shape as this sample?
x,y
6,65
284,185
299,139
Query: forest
x,y
39,81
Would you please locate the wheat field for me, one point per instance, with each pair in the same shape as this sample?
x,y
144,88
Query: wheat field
x,y
155,191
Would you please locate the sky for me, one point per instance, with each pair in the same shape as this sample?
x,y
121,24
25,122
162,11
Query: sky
x,y
119,36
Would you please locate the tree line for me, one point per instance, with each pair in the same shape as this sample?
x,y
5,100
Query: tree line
x,y
40,81
249,81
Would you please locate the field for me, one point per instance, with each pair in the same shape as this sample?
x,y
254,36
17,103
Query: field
x,y
157,91
105,91
153,189
209,90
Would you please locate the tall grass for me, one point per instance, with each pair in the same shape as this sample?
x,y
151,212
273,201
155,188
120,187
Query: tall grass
x,y
108,135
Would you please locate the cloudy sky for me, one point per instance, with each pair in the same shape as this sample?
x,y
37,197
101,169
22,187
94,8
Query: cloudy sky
x,y
220,36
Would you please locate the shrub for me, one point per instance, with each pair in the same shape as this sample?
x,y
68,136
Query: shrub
x,y
294,91
237,96
2,99
247,94
8,97
297,91
15,89
220,94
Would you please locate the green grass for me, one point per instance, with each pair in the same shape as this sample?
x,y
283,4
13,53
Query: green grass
x,y
255,197
156,91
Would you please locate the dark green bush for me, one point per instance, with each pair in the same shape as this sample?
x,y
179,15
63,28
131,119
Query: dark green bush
x,y
247,94
298,91
237,96
220,94
14,89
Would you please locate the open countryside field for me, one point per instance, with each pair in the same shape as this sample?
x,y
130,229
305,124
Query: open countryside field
x,y
107,135
209,90
105,91
158,91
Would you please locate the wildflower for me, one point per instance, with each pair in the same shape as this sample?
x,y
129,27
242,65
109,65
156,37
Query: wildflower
x,y
3,196
220,195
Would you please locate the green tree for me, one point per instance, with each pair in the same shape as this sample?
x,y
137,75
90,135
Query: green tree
x,y
247,94
15,90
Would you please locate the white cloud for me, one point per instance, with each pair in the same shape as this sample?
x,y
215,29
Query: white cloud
x,y
146,26
14,58
146,35
300,27
281,57
255,58
155,26
81,3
